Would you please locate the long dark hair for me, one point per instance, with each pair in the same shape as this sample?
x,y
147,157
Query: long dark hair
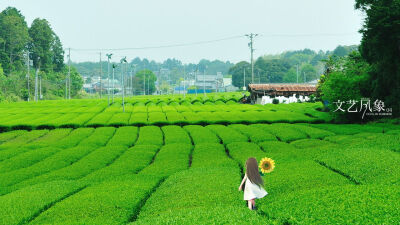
x,y
252,172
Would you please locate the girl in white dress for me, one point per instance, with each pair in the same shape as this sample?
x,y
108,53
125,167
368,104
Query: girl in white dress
x,y
254,185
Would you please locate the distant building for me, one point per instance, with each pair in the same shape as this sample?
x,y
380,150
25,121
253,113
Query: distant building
x,y
209,82
228,87
95,84
257,91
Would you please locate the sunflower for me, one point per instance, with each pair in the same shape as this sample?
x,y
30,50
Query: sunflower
x,y
267,165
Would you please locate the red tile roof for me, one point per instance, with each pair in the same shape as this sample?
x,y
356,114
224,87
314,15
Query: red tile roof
x,y
283,87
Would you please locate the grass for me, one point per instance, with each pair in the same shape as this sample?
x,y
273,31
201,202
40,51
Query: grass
x,y
109,167
152,111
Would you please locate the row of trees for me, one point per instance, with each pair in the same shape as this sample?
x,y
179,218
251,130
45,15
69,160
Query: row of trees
x,y
371,73
289,67
175,67
45,51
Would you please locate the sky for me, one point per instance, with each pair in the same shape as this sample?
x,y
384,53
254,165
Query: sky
x,y
89,27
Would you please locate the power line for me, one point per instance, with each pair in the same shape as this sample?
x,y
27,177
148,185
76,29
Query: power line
x,y
161,46
210,41
308,35
251,36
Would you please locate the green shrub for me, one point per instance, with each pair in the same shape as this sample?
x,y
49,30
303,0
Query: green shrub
x,y
171,159
23,139
124,136
227,135
201,134
26,159
99,137
74,137
119,119
56,161
99,120
35,200
10,135
282,132
107,203
175,134
131,161
138,119
345,204
209,155
93,161
52,137
150,135
253,133
157,118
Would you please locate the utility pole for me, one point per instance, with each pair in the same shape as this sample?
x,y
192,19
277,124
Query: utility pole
x,y
251,36
36,84
123,60
159,81
101,75
36,79
69,73
40,87
113,83
216,84
108,77
204,82
144,82
244,78
28,75
134,74
148,85
66,82
184,84
297,73
304,73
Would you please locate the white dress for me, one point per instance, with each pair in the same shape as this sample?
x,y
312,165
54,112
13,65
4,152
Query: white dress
x,y
253,191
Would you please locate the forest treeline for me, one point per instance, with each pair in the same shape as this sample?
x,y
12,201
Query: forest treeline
x,y
39,46
268,68
288,67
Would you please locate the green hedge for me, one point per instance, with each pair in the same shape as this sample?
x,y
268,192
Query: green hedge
x,y
93,161
253,133
150,135
59,160
201,134
130,162
108,203
23,205
23,139
171,159
346,204
124,136
227,135
282,132
175,134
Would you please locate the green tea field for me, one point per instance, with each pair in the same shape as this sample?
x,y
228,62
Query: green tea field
x,y
180,161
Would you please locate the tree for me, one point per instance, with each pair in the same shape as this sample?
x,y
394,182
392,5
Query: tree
x,y
273,70
290,76
380,46
58,54
145,80
42,39
13,39
346,79
237,74
307,73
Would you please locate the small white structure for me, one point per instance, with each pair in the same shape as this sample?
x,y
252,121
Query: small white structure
x,y
282,99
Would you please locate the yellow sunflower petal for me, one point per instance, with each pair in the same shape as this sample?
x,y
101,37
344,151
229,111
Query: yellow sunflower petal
x,y
267,165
